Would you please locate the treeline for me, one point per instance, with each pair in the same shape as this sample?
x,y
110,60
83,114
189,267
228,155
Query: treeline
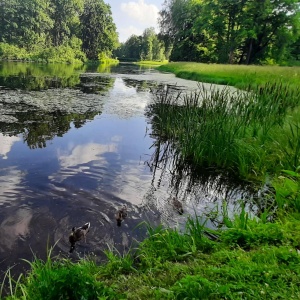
x,y
226,31
56,30
148,46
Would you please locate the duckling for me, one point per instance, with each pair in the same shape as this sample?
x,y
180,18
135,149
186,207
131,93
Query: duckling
x,y
121,214
78,233
177,205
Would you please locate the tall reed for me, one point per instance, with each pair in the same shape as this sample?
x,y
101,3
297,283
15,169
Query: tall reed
x,y
241,131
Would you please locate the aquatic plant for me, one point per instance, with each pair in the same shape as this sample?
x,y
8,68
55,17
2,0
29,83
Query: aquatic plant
x,y
241,131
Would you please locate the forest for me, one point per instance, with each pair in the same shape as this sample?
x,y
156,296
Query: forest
x,y
219,31
222,31
56,30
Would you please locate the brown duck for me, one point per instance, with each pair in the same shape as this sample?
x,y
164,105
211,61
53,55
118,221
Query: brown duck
x,y
121,214
177,205
78,234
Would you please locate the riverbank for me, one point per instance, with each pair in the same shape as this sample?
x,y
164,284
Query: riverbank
x,y
240,76
151,62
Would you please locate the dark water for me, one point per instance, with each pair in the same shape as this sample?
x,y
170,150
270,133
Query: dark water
x,y
75,145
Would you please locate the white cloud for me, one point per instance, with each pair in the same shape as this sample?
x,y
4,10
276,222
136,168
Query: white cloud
x,y
126,32
144,13
9,184
84,154
6,143
14,226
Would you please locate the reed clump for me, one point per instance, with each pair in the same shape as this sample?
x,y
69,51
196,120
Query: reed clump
x,y
250,133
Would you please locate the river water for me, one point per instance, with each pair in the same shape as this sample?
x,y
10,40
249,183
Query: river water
x,y
75,145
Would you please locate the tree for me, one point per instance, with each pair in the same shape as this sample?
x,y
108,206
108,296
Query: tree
x,y
274,26
225,31
8,21
34,23
98,31
65,15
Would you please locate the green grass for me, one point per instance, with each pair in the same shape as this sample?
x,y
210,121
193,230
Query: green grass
x,y
236,75
151,62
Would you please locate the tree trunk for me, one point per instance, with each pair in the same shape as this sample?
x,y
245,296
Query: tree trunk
x,y
249,53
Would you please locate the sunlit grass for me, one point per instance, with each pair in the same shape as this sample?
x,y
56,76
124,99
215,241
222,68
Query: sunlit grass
x,y
236,75
152,62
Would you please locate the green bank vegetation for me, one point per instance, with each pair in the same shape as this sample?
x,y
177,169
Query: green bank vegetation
x,y
151,62
251,133
240,76
239,32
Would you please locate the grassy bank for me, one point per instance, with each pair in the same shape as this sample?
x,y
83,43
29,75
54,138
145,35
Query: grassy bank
x,y
151,62
236,75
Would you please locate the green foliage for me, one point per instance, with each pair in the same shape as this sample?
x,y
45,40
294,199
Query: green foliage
x,y
287,188
171,245
234,75
56,31
118,264
147,47
104,59
231,32
11,52
195,287
98,31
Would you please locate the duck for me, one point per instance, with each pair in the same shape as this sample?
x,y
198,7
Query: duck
x,y
121,214
177,205
77,234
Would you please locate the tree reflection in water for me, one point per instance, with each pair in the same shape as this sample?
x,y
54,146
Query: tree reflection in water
x,y
46,110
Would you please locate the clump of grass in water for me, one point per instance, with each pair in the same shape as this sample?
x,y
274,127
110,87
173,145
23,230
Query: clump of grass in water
x,y
237,131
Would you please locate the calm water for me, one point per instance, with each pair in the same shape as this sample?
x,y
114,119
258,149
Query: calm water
x,y
75,145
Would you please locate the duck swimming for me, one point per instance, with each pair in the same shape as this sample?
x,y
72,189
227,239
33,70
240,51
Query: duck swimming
x,y
121,214
77,234
177,205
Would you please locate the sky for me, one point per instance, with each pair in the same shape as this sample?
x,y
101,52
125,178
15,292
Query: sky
x,y
133,16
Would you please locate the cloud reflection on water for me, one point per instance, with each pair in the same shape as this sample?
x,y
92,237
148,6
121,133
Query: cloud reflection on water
x,y
6,143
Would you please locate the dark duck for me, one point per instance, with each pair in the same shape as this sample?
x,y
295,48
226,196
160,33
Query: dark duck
x,y
121,214
177,205
77,234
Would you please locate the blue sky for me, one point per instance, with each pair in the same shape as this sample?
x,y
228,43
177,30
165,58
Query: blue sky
x,y
133,16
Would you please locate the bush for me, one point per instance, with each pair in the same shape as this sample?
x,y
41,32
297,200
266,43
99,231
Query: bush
x,y
11,52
